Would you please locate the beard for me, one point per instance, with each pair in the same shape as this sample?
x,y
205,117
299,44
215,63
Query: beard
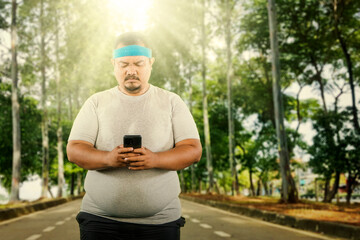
x,y
132,87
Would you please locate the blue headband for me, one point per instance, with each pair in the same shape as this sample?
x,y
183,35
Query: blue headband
x,y
132,50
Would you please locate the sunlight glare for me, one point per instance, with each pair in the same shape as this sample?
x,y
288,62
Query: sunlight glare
x,y
131,15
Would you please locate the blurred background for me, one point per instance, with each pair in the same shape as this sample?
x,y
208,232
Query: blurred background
x,y
216,55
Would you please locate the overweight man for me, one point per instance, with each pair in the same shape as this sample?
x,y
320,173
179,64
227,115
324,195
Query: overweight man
x,y
132,192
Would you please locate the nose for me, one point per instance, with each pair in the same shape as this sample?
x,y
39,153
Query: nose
x,y
131,70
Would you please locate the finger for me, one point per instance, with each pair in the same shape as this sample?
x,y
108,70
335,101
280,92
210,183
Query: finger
x,y
136,164
127,155
134,159
136,168
125,150
140,150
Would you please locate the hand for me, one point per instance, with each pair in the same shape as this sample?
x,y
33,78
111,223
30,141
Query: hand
x,y
116,158
145,160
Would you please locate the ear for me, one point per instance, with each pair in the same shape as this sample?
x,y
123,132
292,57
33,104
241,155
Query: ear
x,y
152,60
112,61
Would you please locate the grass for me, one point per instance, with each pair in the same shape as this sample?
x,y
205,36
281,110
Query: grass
x,y
23,203
339,213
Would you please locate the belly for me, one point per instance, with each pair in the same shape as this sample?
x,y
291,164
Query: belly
x,y
126,194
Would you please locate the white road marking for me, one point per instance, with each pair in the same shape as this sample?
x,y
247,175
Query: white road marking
x,y
204,225
49,229
234,220
34,237
67,219
194,220
222,234
60,223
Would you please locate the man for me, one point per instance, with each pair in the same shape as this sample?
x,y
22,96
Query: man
x,y
132,193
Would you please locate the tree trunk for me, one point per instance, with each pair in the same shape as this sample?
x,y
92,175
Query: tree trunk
x,y
224,184
326,188
192,167
252,190
205,105
349,187
217,189
258,189
182,181
266,188
61,178
72,184
316,190
193,183
16,132
290,193
44,122
235,185
79,183
331,194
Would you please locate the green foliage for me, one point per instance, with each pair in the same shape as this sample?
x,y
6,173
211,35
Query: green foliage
x,y
329,149
4,13
30,136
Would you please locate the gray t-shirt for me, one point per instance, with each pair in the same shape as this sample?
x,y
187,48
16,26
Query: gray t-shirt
x,y
146,196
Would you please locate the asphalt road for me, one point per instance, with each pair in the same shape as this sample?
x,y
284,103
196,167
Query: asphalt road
x,y
207,223
202,223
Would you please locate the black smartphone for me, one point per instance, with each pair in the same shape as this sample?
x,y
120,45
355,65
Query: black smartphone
x,y
133,141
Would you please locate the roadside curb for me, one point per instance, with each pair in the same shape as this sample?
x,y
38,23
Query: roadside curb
x,y
9,213
327,228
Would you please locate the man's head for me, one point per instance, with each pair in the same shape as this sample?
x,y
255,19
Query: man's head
x,y
132,63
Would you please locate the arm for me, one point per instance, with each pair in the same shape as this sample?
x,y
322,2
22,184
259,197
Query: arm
x,y
184,154
85,155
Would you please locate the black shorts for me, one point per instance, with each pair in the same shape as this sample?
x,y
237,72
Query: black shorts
x,y
93,227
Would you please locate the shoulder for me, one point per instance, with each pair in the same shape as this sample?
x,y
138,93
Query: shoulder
x,y
166,95
102,97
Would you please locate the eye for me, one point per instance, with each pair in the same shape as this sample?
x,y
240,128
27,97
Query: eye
x,y
122,65
139,64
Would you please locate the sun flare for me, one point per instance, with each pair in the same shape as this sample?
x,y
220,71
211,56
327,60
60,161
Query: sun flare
x,y
130,15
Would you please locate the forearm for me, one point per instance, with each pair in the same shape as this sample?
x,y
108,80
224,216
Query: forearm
x,y
179,157
86,156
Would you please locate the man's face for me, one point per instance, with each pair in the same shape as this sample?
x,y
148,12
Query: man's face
x,y
133,73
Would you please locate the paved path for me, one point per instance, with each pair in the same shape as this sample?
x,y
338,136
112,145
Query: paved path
x,y
202,223
54,223
207,223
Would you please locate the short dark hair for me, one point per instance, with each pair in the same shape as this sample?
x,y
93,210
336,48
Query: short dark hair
x,y
131,38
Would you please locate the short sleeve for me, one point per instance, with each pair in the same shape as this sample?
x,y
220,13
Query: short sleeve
x,y
86,123
184,126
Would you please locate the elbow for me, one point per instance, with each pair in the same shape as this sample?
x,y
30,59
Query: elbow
x,y
197,153
69,152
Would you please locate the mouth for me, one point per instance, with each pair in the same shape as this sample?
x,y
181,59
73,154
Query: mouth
x,y
131,78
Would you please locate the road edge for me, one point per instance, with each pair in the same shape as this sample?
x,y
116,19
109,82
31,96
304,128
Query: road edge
x,y
9,213
327,228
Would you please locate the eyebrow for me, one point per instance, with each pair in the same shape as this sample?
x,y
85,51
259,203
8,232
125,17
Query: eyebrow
x,y
140,61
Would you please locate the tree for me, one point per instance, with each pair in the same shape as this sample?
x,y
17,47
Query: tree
x,y
14,196
289,190
30,136
205,102
344,21
61,179
229,9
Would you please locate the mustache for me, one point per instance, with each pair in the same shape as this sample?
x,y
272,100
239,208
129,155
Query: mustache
x,y
128,77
